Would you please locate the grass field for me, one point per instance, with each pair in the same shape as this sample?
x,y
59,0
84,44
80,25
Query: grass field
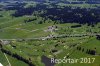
x,y
35,49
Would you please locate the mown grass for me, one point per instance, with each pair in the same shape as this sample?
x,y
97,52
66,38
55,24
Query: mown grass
x,y
34,49
3,60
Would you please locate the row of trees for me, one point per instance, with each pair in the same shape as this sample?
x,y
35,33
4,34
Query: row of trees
x,y
19,57
87,51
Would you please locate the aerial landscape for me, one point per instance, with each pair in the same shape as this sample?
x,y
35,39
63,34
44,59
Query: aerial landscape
x,y
49,32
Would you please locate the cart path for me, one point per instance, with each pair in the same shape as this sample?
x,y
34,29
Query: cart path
x,y
7,60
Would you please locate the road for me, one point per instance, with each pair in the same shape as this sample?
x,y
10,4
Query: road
x,y
49,37
7,59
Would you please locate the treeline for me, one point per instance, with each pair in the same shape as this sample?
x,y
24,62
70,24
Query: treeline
x,y
15,55
87,51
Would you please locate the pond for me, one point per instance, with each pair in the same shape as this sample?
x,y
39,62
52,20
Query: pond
x,y
47,61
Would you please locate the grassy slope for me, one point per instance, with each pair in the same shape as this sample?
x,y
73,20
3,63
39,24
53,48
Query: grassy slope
x,y
13,61
3,59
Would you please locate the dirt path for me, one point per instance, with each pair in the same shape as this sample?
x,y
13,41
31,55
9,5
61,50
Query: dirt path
x,y
7,59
